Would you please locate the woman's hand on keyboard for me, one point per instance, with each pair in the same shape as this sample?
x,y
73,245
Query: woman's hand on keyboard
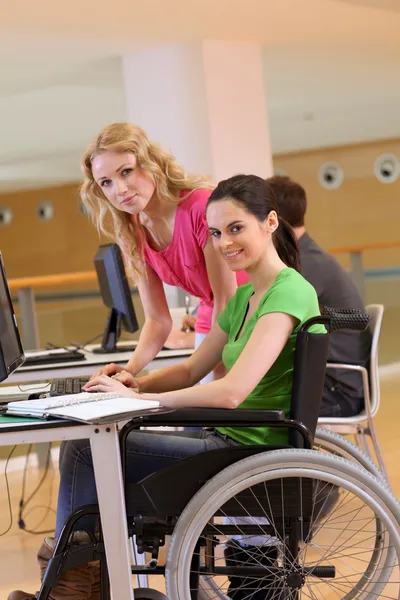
x,y
128,380
110,370
102,383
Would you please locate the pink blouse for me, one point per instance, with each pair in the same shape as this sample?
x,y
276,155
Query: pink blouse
x,y
182,263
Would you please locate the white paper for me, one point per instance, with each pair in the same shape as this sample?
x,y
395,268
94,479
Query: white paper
x,y
92,411
85,406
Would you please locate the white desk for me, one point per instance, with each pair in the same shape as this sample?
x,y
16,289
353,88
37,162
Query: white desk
x,y
11,393
109,483
165,358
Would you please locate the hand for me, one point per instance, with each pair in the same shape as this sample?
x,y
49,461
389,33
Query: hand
x,y
188,322
109,370
179,339
102,383
127,379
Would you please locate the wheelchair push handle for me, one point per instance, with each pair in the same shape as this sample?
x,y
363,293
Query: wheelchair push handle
x,y
339,318
347,318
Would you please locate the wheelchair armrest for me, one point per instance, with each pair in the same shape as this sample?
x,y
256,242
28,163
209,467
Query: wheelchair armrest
x,y
211,417
214,417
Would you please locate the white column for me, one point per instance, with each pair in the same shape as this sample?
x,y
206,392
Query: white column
x,y
206,103
166,96
237,109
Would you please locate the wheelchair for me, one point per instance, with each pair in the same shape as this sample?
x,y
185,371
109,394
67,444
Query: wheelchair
x,y
311,519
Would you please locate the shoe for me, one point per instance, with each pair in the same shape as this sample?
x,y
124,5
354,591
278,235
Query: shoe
x,y
96,591
246,588
75,584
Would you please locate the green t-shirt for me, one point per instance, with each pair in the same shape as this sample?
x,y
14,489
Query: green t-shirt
x,y
291,294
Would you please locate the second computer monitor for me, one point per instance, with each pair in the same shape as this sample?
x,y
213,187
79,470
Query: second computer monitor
x,y
11,351
116,296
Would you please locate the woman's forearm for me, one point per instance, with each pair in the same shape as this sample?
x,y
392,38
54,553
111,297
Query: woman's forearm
x,y
152,338
166,380
216,394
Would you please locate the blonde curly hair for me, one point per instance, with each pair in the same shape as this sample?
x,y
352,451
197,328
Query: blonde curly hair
x,y
169,180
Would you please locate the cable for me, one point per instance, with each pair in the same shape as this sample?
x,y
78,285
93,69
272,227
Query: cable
x,y
51,346
96,337
23,504
47,508
33,387
8,493
83,346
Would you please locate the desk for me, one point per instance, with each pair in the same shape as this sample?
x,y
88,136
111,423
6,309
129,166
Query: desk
x,y
109,482
11,393
165,358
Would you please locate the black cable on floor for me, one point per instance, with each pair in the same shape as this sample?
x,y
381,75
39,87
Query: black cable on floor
x,y
8,493
23,504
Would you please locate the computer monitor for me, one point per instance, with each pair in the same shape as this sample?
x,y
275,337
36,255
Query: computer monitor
x,y
116,296
11,351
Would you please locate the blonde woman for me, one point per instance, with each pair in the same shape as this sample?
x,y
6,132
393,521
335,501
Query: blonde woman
x,y
140,196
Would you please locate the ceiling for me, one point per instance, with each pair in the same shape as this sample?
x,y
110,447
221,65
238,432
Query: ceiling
x,y
331,66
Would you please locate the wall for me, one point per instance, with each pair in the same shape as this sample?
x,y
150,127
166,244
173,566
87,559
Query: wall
x,y
362,210
66,243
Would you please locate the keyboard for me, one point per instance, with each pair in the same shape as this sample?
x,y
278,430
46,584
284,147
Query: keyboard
x,y
44,358
67,385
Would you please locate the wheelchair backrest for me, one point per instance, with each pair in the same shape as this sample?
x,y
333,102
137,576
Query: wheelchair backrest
x,y
310,362
308,381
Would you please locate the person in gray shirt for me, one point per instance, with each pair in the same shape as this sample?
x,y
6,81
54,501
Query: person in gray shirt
x,y
343,390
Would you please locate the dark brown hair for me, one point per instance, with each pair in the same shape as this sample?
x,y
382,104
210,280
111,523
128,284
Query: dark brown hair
x,y
257,197
291,199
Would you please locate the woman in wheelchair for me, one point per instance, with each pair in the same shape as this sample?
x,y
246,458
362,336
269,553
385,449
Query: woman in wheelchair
x,y
254,337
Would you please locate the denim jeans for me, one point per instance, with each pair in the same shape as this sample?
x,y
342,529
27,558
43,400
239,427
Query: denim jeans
x,y
147,453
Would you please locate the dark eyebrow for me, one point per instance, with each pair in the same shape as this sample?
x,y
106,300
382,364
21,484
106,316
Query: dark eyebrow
x,y
227,227
233,223
117,171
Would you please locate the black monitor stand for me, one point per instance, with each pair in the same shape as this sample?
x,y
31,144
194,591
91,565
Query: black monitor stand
x,y
3,369
111,336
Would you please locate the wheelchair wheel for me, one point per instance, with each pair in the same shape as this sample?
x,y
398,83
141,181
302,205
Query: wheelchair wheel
x,y
329,441
325,441
268,502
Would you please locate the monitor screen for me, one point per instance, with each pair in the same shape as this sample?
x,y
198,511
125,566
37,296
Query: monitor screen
x,y
116,295
11,351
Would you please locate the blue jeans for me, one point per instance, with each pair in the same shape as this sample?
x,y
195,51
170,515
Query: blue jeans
x,y
147,453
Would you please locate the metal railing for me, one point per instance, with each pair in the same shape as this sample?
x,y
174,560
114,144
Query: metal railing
x,y
24,286
356,259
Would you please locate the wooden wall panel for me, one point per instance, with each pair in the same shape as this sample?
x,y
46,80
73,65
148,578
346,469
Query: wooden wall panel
x,y
66,243
362,210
